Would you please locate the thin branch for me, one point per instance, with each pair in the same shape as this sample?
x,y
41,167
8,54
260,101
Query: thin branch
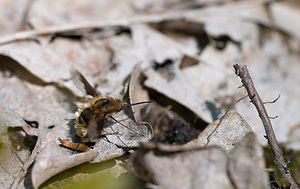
x,y
87,26
201,15
273,100
117,135
243,73
125,126
273,117
221,119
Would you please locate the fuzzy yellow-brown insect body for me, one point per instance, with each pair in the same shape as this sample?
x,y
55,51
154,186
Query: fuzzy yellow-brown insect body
x,y
95,107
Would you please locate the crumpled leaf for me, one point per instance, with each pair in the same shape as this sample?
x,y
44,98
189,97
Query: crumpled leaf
x,y
53,160
225,132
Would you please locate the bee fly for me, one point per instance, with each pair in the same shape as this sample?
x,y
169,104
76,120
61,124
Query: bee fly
x,y
91,117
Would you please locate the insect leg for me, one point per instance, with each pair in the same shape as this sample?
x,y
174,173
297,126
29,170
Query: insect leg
x,y
125,125
117,136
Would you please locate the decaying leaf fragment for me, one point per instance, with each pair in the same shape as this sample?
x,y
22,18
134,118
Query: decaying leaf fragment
x,y
225,132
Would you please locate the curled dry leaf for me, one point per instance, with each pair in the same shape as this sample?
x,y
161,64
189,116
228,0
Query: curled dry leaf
x,y
225,132
135,92
53,160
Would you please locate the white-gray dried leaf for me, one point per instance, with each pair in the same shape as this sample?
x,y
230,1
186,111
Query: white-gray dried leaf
x,y
225,132
11,17
136,93
53,160
247,164
197,168
12,160
179,90
139,132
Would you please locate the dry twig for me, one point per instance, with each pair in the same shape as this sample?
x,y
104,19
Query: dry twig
x,y
243,73
221,119
273,100
201,14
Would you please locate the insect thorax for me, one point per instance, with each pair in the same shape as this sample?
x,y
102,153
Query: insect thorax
x,y
97,106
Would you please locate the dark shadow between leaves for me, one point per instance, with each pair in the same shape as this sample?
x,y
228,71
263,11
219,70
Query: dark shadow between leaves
x,y
180,128
20,140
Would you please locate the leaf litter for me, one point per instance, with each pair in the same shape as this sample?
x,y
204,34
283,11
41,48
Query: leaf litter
x,y
185,65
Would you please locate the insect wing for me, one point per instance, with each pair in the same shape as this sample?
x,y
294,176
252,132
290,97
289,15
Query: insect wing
x,y
81,83
95,127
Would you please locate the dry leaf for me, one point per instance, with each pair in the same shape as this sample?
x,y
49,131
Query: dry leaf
x,y
53,160
247,164
105,40
191,168
135,93
11,17
225,132
13,153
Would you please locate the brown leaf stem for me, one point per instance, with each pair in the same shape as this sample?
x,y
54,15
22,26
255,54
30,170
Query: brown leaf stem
x,y
243,73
